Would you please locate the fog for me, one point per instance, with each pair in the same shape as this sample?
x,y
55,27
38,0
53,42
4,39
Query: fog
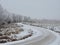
x,y
41,9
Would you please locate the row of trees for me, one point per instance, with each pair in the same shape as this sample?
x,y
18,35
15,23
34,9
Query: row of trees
x,y
6,17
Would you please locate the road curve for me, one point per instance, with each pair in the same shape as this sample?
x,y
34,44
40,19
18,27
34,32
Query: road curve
x,y
48,37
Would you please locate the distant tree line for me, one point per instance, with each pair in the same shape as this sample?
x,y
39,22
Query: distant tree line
x,y
6,17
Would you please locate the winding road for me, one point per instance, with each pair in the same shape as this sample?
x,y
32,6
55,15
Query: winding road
x,y
43,37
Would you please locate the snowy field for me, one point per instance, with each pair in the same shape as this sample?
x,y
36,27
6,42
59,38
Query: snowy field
x,y
41,36
53,27
53,40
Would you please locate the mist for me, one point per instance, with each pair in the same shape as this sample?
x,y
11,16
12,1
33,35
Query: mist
x,y
39,9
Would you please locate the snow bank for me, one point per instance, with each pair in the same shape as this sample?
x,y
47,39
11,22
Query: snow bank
x,y
40,36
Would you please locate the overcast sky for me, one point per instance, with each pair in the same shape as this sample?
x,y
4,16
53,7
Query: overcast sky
x,y
43,9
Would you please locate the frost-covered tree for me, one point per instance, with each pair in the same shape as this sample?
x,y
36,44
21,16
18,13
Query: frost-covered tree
x,y
7,17
1,14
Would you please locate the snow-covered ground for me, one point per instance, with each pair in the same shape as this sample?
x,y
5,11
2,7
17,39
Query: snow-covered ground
x,y
40,36
53,37
53,27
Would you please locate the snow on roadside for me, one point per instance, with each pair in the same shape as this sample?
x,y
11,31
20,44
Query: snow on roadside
x,y
27,31
36,33
30,29
56,42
